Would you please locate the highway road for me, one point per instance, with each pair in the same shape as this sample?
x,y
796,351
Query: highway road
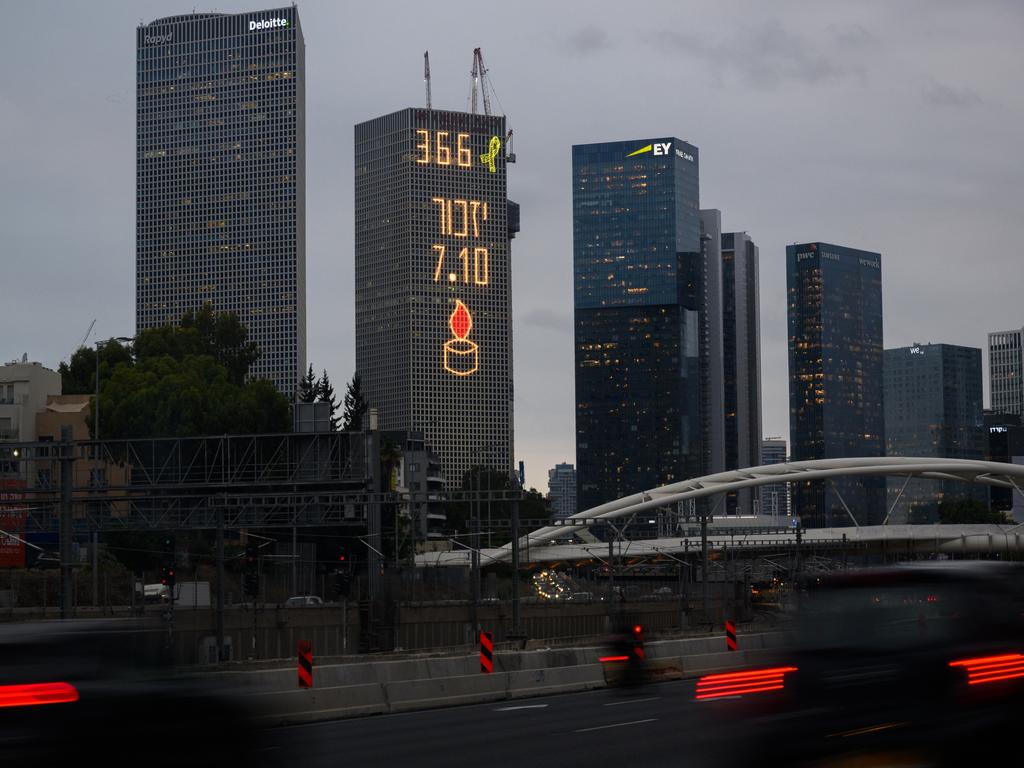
x,y
652,725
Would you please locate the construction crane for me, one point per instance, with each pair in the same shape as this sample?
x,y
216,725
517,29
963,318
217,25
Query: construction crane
x,y
426,74
84,338
479,74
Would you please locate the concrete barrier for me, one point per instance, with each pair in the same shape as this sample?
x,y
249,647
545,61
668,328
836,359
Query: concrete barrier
x,y
401,685
537,682
408,695
310,705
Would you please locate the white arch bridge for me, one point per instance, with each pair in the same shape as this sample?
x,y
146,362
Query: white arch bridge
x,y
939,538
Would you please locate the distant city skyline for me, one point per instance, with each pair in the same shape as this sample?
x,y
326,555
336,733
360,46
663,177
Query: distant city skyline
x,y
911,149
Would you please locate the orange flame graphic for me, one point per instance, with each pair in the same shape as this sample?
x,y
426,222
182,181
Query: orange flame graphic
x,y
461,322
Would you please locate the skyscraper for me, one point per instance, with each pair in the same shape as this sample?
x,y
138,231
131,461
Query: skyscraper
x,y
835,377
741,327
933,408
221,178
1006,371
641,314
433,284
562,490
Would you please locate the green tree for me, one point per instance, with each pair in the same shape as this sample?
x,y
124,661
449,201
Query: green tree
x,y
78,376
355,405
480,483
325,394
225,338
965,510
177,385
308,387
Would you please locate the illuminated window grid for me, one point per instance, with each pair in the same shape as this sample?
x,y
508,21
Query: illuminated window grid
x,y
402,314
221,180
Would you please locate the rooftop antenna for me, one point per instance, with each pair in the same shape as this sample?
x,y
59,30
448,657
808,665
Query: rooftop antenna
x,y
426,75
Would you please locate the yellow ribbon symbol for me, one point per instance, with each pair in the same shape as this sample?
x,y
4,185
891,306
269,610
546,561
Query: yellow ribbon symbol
x,y
492,154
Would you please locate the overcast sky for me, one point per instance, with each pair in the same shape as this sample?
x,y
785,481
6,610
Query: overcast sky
x,y
889,126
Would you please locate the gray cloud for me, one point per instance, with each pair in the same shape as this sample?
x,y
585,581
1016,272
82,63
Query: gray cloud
x,y
943,95
852,36
588,41
764,56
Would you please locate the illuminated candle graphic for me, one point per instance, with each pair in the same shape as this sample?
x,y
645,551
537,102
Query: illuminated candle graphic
x,y
461,356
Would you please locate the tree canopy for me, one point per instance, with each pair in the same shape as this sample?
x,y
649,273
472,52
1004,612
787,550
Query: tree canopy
x,y
355,405
188,380
78,376
967,510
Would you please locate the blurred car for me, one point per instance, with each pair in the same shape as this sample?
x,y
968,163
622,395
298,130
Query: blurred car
x,y
923,663
102,693
303,601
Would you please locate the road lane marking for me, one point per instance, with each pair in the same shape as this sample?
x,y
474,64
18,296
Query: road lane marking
x,y
521,706
631,701
615,725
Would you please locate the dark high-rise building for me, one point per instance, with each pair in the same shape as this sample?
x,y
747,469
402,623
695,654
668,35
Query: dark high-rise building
x,y
933,408
433,284
221,178
1006,371
741,342
1005,442
835,377
775,496
641,317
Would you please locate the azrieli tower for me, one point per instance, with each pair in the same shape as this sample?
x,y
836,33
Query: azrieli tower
x,y
433,282
221,178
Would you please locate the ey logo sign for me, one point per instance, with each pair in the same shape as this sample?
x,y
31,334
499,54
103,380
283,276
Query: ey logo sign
x,y
657,149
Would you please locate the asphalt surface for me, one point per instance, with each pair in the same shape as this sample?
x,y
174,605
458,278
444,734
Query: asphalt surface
x,y
651,725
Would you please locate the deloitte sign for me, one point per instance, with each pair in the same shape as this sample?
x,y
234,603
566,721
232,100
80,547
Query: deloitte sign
x,y
267,24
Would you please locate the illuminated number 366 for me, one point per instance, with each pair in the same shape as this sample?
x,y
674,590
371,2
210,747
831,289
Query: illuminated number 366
x,y
438,150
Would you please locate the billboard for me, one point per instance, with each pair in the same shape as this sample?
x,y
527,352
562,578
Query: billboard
x,y
12,521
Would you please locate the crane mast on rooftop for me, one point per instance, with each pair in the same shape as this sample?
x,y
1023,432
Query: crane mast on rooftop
x,y
426,75
479,73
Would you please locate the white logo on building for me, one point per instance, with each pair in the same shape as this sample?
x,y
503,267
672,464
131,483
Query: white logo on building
x,y
157,39
267,24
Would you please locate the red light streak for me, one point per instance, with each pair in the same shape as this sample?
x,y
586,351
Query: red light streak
x,y
740,683
613,658
991,669
34,694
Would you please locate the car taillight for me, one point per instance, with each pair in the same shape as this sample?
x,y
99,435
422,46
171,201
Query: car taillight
x,y
742,683
991,669
34,694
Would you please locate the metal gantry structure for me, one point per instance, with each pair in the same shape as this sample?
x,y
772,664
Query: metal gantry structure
x,y
294,480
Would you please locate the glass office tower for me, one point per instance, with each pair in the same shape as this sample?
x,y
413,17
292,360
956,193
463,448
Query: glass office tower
x,y
741,326
221,178
933,408
835,377
433,282
641,317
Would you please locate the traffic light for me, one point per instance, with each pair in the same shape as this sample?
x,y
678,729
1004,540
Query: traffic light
x,y
167,563
637,634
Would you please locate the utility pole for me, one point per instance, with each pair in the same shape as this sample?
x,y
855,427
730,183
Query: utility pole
x,y
515,563
705,599
66,480
221,655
